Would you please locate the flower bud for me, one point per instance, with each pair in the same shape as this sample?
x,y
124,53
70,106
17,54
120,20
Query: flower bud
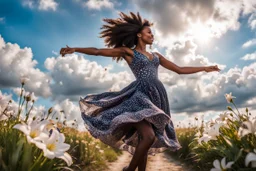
x,y
229,108
28,97
50,110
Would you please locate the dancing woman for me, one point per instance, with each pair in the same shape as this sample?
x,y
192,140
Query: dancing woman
x,y
137,118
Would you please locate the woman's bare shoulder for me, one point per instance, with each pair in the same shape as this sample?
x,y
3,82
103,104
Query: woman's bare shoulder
x,y
128,55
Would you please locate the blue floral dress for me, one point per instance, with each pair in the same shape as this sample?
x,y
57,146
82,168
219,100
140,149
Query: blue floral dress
x,y
145,98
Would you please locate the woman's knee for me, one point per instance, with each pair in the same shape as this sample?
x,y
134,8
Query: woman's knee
x,y
149,135
145,130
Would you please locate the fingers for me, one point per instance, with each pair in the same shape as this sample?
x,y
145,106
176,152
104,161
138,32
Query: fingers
x,y
213,68
64,51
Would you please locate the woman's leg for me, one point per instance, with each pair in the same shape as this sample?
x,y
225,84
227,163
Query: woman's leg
x,y
143,161
147,134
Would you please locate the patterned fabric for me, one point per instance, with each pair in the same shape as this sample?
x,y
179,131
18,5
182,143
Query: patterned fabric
x,y
145,98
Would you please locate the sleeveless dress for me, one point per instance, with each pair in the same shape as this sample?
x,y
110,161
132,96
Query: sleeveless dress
x,y
145,98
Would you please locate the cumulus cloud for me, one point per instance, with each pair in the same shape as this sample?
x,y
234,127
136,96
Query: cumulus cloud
x,y
251,56
28,3
44,5
4,100
98,4
252,21
249,43
204,94
74,76
48,5
67,110
16,62
175,20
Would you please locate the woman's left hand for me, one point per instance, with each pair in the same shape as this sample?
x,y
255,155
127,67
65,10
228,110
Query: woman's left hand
x,y
212,68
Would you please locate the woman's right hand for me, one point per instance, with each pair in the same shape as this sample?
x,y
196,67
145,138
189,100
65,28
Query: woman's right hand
x,y
66,50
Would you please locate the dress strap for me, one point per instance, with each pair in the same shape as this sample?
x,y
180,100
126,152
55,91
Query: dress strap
x,y
134,52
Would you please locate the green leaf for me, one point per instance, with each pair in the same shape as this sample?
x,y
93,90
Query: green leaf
x,y
239,154
17,153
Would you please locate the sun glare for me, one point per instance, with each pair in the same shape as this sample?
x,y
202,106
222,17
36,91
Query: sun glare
x,y
200,32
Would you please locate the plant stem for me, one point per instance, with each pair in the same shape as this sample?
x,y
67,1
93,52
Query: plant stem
x,y
45,159
236,107
36,162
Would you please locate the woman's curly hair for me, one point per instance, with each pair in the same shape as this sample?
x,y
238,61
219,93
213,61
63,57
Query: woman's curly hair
x,y
123,31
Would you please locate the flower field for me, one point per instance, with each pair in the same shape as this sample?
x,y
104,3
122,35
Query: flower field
x,y
226,143
42,142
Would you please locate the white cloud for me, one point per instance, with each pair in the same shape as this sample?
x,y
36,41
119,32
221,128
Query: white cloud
x,y
41,4
48,5
70,113
249,43
99,4
251,56
174,20
249,6
252,21
16,62
4,99
74,76
203,94
28,3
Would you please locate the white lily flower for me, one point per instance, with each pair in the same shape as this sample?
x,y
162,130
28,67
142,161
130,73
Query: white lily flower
x,y
210,133
223,117
221,166
54,146
213,130
33,131
229,97
205,138
250,128
251,157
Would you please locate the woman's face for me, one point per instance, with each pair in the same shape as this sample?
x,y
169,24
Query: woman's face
x,y
146,35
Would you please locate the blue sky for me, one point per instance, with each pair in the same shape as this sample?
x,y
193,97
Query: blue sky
x,y
222,34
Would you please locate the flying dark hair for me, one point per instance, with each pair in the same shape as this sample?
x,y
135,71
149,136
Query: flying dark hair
x,y
123,31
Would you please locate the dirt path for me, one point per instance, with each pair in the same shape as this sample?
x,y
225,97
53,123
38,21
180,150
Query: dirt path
x,y
159,162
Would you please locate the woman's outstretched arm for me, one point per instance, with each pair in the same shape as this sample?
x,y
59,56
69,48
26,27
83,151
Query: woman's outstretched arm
x,y
184,70
109,52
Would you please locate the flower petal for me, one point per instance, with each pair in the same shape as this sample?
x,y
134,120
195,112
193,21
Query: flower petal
x,y
229,165
67,158
49,154
22,127
216,164
223,162
250,157
214,169
40,145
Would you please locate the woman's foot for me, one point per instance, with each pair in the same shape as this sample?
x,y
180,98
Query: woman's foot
x,y
125,168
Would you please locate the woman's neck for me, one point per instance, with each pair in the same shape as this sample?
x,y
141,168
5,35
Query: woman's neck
x,y
141,46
